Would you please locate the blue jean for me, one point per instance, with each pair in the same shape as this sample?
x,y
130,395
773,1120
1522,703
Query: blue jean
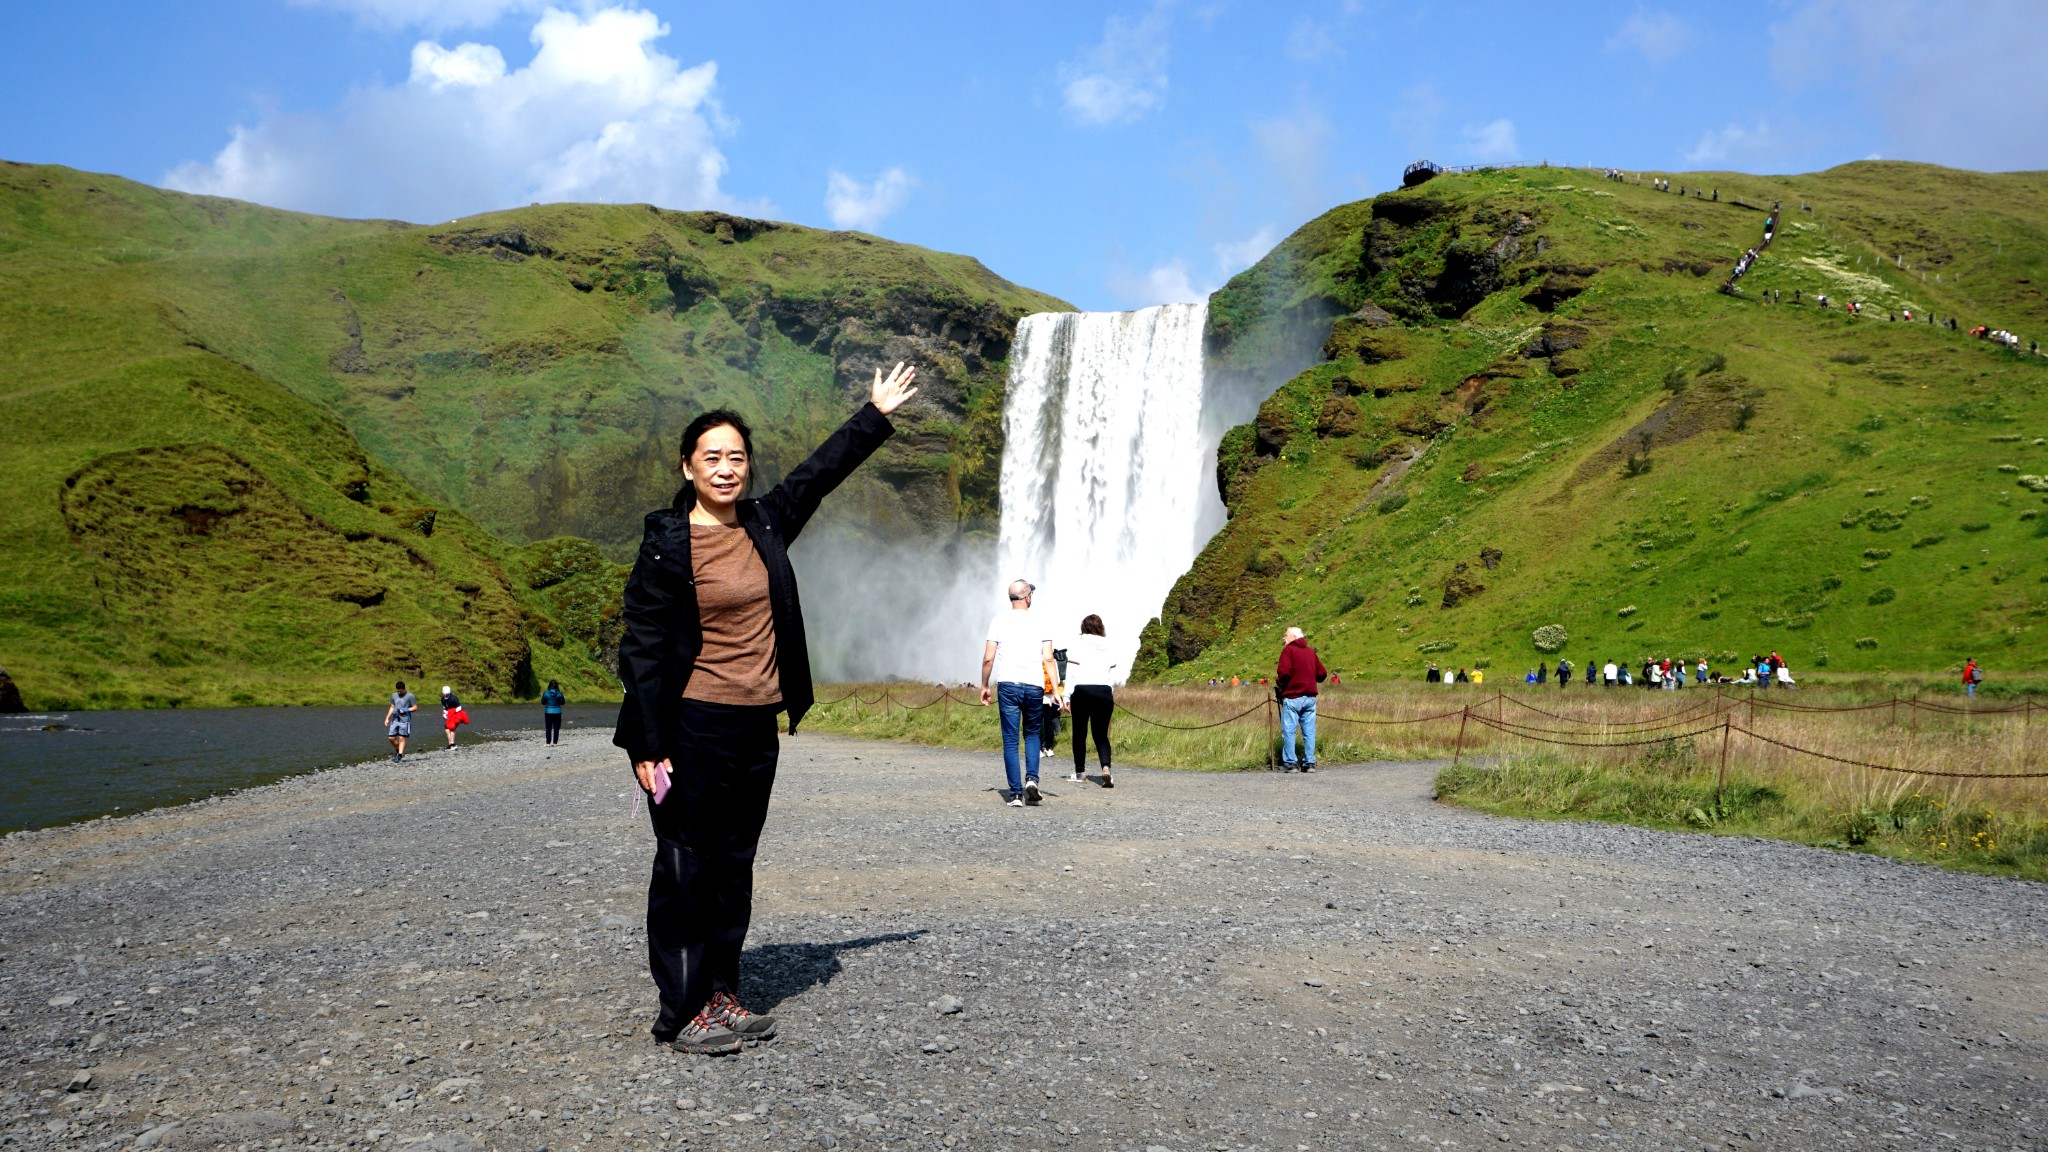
x,y
1020,705
1297,711
1970,689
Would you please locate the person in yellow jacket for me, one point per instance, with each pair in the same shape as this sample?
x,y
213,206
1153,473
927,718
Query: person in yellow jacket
x,y
1479,676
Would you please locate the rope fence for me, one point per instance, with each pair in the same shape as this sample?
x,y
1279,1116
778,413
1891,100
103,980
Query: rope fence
x,y
1701,718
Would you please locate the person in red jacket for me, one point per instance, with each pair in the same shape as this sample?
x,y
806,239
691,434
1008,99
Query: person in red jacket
x,y
1295,683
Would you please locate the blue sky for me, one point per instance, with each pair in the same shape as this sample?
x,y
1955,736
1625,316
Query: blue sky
x,y
1113,154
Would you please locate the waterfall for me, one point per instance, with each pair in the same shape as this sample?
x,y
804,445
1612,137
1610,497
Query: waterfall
x,y
1105,494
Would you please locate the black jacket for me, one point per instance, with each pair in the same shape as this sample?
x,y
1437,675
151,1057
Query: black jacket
x,y
663,632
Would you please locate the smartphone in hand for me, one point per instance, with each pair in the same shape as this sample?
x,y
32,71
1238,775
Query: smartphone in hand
x,y
661,774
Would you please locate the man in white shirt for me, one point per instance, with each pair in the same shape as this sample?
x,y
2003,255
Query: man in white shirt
x,y
1017,661
1609,674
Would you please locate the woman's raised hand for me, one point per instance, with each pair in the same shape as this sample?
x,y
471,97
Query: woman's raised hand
x,y
890,394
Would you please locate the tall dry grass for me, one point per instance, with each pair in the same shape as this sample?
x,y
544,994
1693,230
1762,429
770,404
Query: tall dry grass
x,y
1622,753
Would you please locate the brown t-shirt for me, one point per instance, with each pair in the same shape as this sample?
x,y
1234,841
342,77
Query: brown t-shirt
x,y
737,665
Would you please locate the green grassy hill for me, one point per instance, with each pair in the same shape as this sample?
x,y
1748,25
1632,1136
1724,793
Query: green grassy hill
x,y
256,456
1535,408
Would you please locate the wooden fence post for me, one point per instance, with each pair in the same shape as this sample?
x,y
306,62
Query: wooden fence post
x,y
1271,706
1721,780
1459,753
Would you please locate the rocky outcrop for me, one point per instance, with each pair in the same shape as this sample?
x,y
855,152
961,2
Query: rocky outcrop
x,y
10,696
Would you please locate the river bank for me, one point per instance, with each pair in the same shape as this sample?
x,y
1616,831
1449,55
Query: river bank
x,y
60,767
447,954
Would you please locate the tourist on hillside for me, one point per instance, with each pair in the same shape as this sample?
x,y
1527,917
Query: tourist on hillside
x,y
398,720
1592,670
1434,674
1784,675
1479,675
1564,672
1609,675
1295,678
551,702
453,714
1091,669
1972,676
1701,671
1542,673
1653,674
1016,660
1463,678
713,648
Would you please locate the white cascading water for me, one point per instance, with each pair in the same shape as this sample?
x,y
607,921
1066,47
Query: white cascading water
x,y
1105,493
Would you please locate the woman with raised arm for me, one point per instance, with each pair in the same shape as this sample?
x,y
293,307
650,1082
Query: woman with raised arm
x,y
713,649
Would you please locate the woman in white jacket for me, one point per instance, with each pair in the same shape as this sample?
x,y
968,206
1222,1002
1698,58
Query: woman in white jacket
x,y
1090,671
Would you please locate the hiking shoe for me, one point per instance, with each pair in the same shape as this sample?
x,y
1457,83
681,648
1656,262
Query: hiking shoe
x,y
1077,778
1308,767
705,1036
1106,781
1015,801
726,1009
1031,790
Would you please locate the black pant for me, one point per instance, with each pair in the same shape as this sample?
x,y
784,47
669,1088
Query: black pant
x,y
1048,727
1092,705
701,896
554,726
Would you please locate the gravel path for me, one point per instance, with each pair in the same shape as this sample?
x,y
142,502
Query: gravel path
x,y
447,954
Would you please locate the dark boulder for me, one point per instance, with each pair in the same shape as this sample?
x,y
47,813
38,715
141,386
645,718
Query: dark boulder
x,y
1339,417
10,696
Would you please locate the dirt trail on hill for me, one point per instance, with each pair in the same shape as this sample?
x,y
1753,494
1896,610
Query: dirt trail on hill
x,y
448,954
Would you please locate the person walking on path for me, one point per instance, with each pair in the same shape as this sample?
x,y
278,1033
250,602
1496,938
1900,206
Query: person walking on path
x,y
713,648
1564,673
1015,664
1972,676
1295,680
551,702
398,720
453,714
1090,671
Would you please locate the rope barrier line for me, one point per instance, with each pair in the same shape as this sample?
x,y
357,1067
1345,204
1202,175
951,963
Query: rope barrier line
x,y
1890,767
1415,720
1690,708
1191,727
1523,729
1500,727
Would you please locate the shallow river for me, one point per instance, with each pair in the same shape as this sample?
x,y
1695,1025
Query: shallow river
x,y
59,767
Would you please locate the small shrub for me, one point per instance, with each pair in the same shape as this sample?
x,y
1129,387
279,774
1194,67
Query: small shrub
x,y
1929,541
1714,364
1549,638
1849,357
2008,468
1920,502
1636,465
1973,526
1877,553
1393,503
1350,599
1866,642
1883,596
1710,614
1431,647
1871,423
1739,549
1675,381
1744,413
1626,612
2030,513
1820,656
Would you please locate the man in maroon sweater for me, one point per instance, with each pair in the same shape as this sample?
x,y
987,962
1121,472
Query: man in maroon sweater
x,y
1295,680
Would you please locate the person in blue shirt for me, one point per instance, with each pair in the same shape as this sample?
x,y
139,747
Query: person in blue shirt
x,y
551,702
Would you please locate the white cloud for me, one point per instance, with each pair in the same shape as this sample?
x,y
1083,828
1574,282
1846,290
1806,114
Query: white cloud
x,y
1167,283
1122,78
1312,43
597,114
1735,143
1491,142
1949,85
437,15
1173,282
1656,36
1415,118
852,204
1234,256
1296,150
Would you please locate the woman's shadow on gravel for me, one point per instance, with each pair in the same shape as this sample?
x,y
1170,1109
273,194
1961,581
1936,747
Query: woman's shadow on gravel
x,y
772,973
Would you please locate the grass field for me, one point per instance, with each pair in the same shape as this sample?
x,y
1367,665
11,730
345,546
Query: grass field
x,y
1557,420
1651,778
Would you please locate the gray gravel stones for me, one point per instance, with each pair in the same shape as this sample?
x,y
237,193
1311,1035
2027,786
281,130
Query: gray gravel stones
x,y
447,954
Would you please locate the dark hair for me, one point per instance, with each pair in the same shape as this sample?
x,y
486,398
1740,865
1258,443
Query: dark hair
x,y
694,432
1091,625
554,684
401,685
